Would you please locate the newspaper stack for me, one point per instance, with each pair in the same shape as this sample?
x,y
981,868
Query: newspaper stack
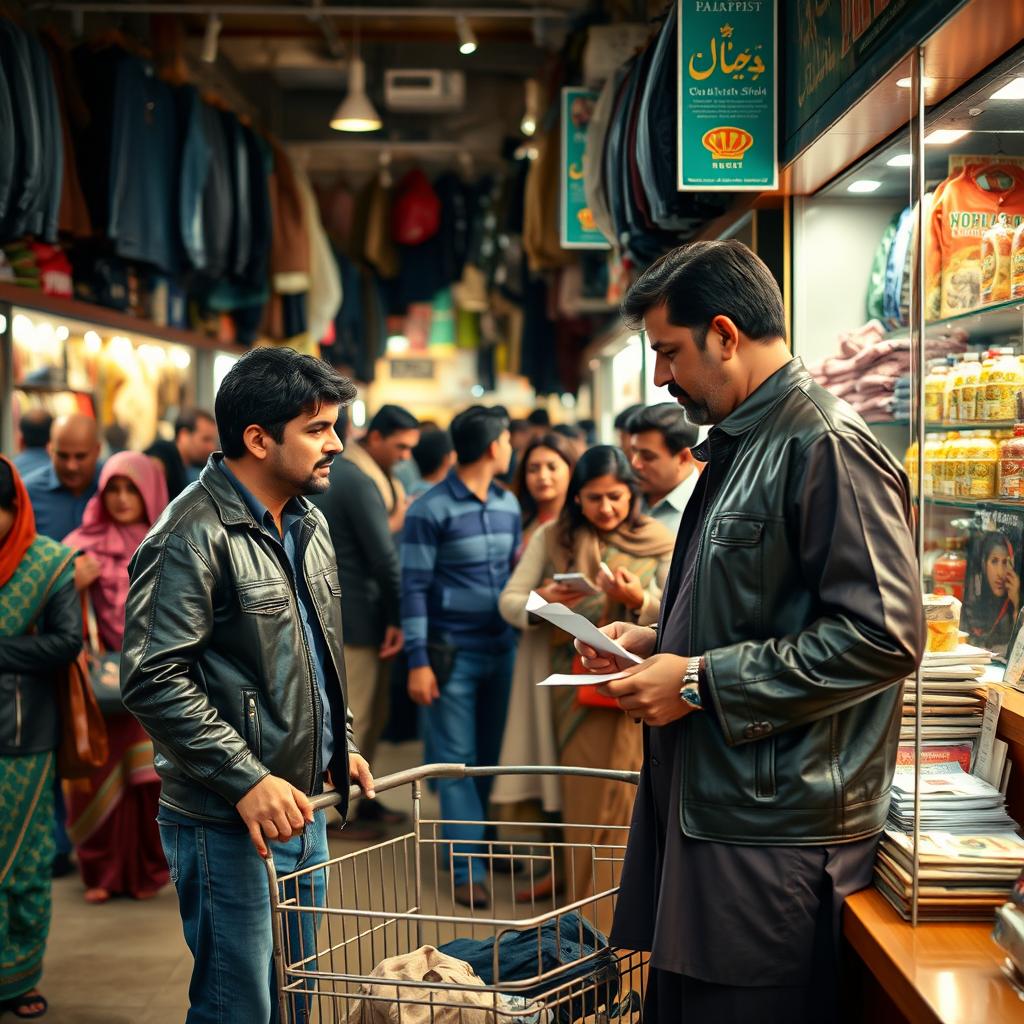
x,y
961,877
952,698
970,854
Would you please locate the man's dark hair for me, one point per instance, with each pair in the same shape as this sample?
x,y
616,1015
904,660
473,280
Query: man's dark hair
x,y
35,428
474,430
392,418
269,387
623,418
434,447
670,421
515,426
589,428
700,281
188,419
571,431
539,418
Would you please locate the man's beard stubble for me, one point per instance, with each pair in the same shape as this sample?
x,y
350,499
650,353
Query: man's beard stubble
x,y
697,413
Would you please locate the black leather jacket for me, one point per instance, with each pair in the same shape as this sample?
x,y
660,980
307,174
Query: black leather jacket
x,y
30,722
215,663
807,608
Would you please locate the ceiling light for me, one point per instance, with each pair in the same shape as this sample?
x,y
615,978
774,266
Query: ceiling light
x,y
864,185
211,38
906,83
467,40
356,113
1013,90
62,333
901,160
528,125
93,342
945,136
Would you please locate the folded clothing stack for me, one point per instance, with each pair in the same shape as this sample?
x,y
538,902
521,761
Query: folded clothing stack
x,y
872,372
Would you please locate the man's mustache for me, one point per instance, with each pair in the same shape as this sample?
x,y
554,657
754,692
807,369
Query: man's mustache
x,y
327,461
675,390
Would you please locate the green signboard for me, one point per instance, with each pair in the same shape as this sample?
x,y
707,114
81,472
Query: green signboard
x,y
578,228
728,117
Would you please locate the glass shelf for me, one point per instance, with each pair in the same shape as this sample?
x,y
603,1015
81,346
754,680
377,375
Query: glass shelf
x,y
874,424
975,503
999,320
944,428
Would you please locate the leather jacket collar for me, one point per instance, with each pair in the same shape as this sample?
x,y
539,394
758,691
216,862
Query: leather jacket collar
x,y
228,502
757,406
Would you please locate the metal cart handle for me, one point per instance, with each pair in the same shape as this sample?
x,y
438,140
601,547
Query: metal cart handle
x,y
461,771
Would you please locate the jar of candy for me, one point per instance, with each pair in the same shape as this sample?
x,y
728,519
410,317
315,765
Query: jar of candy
x,y
950,569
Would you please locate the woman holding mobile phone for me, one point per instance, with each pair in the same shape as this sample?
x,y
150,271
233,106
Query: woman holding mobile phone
x,y
624,556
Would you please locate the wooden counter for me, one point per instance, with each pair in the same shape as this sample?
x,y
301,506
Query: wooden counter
x,y
937,973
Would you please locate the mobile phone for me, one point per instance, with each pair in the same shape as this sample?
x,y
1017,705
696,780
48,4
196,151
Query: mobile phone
x,y
576,581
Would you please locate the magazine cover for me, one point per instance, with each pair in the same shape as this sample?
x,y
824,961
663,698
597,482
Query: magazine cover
x,y
992,588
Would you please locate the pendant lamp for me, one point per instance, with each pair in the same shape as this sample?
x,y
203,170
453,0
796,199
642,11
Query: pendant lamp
x,y
356,113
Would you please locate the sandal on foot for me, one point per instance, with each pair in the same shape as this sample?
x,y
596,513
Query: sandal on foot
x,y
19,1006
97,895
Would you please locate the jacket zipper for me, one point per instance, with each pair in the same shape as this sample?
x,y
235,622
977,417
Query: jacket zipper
x,y
252,711
17,711
318,711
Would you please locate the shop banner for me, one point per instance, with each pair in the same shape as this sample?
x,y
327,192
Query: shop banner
x,y
728,112
578,230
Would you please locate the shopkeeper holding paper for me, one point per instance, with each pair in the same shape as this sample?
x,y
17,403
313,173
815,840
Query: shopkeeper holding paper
x,y
771,691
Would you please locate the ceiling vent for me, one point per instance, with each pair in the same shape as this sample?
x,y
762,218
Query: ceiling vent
x,y
428,91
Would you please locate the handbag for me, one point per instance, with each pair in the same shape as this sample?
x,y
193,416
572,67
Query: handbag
x,y
83,742
587,696
104,666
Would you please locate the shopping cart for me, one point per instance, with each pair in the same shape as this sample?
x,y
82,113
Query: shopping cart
x,y
335,922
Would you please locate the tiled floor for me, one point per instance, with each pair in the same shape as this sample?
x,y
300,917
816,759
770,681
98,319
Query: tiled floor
x,y
125,962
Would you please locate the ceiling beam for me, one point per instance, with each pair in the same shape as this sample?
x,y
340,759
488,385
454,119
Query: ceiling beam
x,y
322,11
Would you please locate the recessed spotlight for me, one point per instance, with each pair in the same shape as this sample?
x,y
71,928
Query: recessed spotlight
x,y
901,160
945,136
906,83
1013,90
864,185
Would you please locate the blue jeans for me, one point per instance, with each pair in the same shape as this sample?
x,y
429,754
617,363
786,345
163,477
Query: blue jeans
x,y
224,903
465,725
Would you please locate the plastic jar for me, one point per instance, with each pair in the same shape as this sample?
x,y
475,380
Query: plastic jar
x,y
1004,382
933,452
949,573
978,466
1011,465
948,408
969,381
945,476
935,395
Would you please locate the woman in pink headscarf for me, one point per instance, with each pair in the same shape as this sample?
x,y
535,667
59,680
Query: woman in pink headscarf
x,y
112,814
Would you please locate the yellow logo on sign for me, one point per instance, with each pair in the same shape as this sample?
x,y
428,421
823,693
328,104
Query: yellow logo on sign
x,y
586,219
727,143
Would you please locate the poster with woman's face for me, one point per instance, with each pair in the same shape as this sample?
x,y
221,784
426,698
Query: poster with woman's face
x,y
992,591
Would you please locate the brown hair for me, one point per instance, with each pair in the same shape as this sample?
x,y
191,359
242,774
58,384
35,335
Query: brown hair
x,y
557,443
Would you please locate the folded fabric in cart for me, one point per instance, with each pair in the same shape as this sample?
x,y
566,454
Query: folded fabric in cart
x,y
589,977
463,1000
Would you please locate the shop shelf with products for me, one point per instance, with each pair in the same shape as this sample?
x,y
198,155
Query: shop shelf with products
x,y
982,324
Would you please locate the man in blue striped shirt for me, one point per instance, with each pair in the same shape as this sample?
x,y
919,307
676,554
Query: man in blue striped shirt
x,y
457,550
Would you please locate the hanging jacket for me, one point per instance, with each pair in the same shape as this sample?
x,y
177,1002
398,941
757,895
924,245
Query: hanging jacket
x,y
8,154
289,255
325,295
193,173
594,183
218,217
46,208
16,62
238,171
143,162
613,155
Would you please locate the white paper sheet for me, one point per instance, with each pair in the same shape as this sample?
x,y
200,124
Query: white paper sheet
x,y
558,679
577,626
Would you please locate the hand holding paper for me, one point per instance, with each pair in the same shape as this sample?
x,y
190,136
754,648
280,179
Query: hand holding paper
x,y
579,627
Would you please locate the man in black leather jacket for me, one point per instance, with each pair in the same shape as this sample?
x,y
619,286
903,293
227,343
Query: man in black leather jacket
x,y
770,692
232,662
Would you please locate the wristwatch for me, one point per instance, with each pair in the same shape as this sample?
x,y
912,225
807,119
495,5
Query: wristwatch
x,y
690,690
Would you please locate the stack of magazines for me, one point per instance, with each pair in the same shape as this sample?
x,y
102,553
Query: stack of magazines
x,y
969,854
952,697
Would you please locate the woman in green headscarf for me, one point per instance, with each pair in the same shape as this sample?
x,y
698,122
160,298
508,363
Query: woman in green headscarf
x,y
40,633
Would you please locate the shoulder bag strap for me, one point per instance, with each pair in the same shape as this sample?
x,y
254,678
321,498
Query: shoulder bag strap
x,y
58,572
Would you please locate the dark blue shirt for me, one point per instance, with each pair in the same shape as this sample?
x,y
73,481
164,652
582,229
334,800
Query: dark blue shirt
x,y
290,543
457,554
57,510
31,460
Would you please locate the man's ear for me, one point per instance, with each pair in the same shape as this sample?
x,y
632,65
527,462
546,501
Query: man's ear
x,y
256,441
728,335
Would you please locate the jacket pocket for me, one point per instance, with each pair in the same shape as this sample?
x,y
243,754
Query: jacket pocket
x,y
737,531
265,598
764,768
251,711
